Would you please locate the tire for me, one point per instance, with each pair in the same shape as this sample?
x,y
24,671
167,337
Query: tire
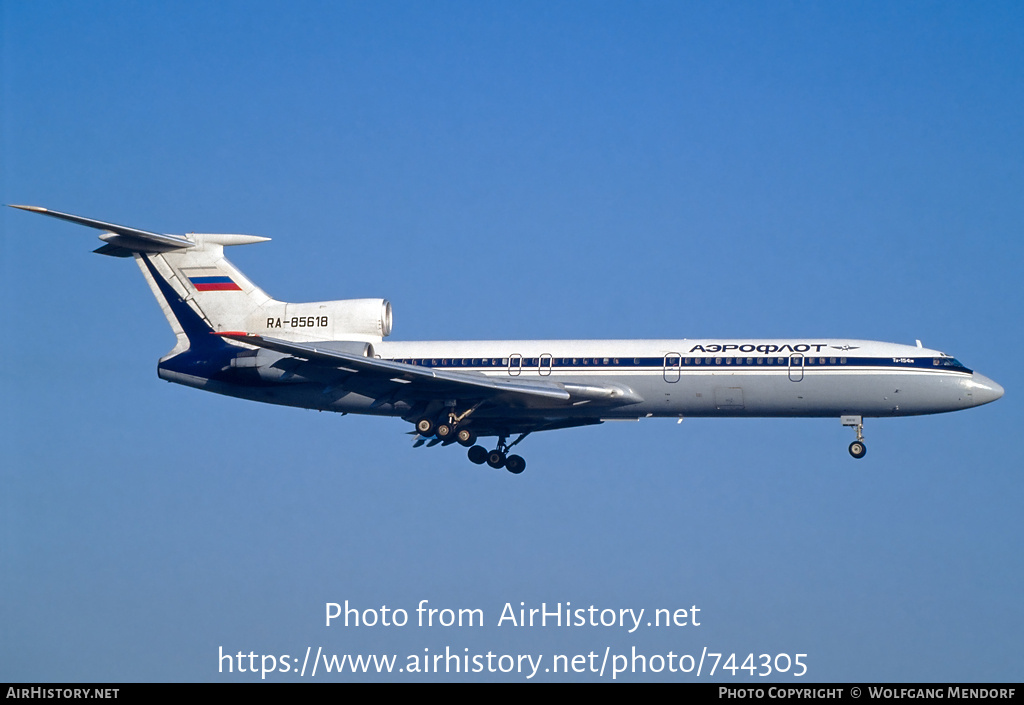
x,y
426,427
858,449
478,455
515,464
496,459
465,437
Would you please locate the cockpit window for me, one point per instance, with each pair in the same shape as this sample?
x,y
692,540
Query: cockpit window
x,y
949,362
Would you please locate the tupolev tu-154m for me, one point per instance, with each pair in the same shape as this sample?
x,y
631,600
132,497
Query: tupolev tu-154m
x,y
234,339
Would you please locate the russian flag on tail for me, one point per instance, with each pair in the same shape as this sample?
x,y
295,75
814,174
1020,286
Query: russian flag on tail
x,y
219,283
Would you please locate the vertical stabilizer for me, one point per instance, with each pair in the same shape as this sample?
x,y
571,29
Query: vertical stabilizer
x,y
200,291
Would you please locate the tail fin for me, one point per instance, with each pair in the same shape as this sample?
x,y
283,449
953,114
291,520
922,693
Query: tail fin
x,y
201,292
198,289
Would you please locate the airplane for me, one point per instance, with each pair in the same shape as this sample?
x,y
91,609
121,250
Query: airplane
x,y
234,339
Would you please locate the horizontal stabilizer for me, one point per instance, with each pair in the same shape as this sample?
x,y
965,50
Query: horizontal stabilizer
x,y
120,237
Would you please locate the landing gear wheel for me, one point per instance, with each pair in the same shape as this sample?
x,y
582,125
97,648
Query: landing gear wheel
x,y
465,437
478,455
496,459
444,431
858,449
426,427
515,464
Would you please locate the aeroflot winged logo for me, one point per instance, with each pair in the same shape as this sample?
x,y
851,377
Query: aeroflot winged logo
x,y
766,348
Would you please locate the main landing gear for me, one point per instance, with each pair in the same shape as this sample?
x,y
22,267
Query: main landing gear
x,y
448,430
857,448
499,457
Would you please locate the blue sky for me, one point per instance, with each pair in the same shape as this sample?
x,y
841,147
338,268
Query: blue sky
x,y
512,170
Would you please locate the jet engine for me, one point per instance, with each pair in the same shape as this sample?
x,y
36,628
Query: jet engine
x,y
347,319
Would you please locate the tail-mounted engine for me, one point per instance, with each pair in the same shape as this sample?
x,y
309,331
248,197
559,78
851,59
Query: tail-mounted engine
x,y
347,319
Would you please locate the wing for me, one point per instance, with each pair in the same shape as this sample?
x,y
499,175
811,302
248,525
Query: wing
x,y
388,381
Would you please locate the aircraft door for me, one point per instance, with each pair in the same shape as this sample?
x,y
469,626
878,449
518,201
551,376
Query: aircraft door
x,y
515,364
544,368
796,367
673,367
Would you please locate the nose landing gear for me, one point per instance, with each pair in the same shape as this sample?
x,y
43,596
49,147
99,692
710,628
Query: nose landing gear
x,y
857,449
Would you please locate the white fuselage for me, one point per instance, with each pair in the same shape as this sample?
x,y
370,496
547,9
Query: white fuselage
x,y
809,377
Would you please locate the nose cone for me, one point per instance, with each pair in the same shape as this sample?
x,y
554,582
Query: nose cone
x,y
983,390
